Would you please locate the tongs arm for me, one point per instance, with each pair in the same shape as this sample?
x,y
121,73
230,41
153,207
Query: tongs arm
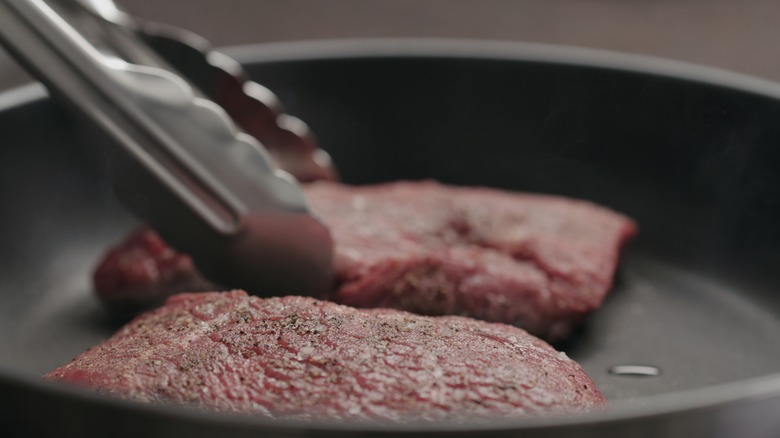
x,y
180,161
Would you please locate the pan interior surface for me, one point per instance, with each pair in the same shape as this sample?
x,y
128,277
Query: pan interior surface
x,y
694,164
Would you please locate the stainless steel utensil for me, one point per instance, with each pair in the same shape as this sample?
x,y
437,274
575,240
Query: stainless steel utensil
x,y
178,160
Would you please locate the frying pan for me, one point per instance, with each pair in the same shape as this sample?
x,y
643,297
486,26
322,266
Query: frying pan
x,y
690,152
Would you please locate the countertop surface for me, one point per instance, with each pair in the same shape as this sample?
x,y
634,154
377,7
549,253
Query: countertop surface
x,y
740,36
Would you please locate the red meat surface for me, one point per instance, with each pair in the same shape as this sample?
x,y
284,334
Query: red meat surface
x,y
538,262
143,271
298,357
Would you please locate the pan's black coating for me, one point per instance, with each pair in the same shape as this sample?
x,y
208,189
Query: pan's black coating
x,y
694,162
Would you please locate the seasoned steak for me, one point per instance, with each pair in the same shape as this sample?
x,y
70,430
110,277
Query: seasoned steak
x,y
304,358
538,262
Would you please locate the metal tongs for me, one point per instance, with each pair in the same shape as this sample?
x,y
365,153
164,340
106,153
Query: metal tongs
x,y
177,158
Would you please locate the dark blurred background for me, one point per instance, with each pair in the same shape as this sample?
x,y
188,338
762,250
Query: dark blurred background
x,y
736,35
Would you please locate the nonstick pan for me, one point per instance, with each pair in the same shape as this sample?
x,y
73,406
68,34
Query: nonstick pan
x,y
690,152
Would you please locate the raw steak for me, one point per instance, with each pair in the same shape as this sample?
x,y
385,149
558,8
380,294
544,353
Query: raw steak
x,y
143,271
304,358
538,262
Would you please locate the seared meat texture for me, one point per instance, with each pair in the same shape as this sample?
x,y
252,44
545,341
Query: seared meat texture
x,y
298,357
538,262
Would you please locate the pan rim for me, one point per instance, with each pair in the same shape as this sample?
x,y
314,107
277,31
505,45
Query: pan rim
x,y
711,399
